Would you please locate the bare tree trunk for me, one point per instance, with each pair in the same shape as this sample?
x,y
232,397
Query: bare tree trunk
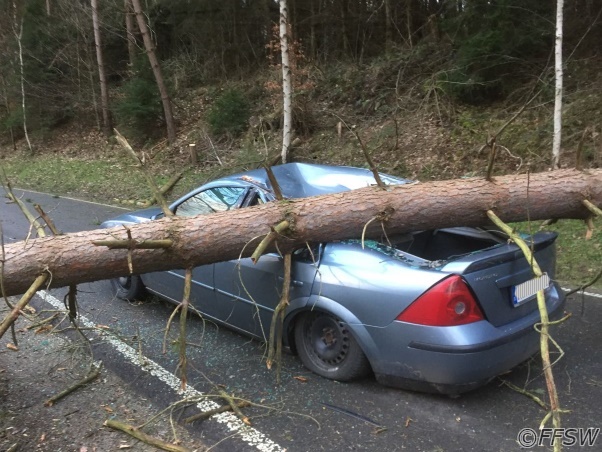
x,y
287,82
19,36
73,258
8,112
388,22
130,32
344,7
48,8
154,62
409,13
107,126
558,91
312,29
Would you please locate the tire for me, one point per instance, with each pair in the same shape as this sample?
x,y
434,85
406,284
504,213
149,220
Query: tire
x,y
327,347
128,287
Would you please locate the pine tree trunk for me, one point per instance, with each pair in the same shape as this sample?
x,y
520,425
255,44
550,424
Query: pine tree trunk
x,y
154,62
107,126
72,258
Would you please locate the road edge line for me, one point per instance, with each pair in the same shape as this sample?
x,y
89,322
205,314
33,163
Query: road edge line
x,y
250,435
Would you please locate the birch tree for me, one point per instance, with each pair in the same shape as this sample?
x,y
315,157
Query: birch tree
x,y
107,125
287,82
18,32
558,90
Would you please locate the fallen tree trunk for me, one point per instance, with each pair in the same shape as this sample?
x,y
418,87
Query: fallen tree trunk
x,y
72,258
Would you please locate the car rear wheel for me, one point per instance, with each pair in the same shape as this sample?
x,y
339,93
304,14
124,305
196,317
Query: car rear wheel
x,y
128,287
327,347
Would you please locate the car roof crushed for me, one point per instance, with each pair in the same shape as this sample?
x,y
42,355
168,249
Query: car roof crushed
x,y
300,180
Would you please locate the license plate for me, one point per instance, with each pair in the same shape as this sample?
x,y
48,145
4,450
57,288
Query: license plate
x,y
526,290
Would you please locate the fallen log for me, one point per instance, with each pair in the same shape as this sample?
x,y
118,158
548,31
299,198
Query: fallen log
x,y
73,258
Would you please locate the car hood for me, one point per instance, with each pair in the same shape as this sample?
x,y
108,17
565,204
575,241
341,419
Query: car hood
x,y
139,216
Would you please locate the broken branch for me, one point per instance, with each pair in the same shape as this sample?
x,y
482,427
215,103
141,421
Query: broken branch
x,y
592,208
543,312
25,299
207,414
224,395
47,220
92,375
150,440
151,182
32,220
275,340
183,316
268,239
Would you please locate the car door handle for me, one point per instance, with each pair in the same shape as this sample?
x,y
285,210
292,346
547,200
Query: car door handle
x,y
294,283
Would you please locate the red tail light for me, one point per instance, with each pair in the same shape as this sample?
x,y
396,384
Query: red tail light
x,y
447,303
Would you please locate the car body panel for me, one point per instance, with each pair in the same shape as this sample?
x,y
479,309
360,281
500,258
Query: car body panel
x,y
366,285
455,356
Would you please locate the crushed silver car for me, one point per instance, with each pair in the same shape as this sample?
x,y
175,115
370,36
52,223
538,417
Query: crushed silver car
x,y
439,310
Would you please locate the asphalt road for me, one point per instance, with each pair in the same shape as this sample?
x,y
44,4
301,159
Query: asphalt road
x,y
312,413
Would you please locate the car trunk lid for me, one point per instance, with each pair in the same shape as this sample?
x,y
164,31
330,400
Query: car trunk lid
x,y
502,279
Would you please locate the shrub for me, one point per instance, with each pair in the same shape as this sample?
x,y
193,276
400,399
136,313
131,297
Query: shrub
x,y
139,107
497,46
229,114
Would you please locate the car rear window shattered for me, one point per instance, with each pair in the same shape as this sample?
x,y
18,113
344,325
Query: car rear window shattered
x,y
406,258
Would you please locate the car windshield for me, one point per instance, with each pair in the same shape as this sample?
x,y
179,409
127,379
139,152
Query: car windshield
x,y
217,199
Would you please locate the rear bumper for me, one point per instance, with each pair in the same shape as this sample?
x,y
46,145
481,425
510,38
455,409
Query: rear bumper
x,y
452,360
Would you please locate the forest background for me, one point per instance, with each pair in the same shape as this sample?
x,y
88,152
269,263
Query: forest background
x,y
423,83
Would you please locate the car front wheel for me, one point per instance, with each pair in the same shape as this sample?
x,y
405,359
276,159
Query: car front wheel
x,y
327,347
128,287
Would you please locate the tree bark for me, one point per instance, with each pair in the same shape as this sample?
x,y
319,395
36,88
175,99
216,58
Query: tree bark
x,y
107,126
72,258
154,62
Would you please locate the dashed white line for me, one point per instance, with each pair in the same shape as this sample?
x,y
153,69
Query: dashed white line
x,y
248,434
588,294
75,199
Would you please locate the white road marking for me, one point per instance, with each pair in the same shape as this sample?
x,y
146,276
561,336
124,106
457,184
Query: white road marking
x,y
248,434
588,294
76,199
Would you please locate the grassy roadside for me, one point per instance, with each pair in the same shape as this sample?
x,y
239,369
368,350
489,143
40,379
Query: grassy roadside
x,y
578,260
115,180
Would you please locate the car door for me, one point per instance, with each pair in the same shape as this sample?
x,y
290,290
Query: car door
x,y
170,284
251,291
